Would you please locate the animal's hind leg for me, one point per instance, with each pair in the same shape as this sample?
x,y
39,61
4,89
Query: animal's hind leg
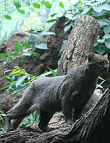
x,y
14,116
44,120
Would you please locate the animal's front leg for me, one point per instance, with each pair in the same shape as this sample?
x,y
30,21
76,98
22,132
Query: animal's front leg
x,y
67,111
78,112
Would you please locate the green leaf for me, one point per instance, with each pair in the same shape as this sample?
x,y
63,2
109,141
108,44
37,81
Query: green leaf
x,y
108,11
52,15
20,80
86,9
22,57
17,46
102,23
26,50
100,78
53,72
16,99
99,8
17,4
106,36
36,5
107,29
42,46
47,4
107,43
26,54
101,49
52,20
68,26
107,6
61,5
11,84
70,16
8,17
21,11
3,55
26,43
32,40
35,54
100,40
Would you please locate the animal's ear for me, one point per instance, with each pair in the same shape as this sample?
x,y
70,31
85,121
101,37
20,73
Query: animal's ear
x,y
106,56
90,56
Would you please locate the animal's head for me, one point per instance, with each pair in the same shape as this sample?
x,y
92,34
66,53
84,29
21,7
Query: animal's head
x,y
98,62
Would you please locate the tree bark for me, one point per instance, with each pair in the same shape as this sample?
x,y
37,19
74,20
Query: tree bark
x,y
80,43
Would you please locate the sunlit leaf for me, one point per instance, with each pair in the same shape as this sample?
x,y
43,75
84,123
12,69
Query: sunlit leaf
x,y
17,4
36,5
68,26
107,36
27,54
47,4
42,46
61,5
101,40
20,80
26,43
8,17
17,46
21,11
101,78
53,72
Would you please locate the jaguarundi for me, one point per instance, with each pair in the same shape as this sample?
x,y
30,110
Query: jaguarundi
x,y
60,93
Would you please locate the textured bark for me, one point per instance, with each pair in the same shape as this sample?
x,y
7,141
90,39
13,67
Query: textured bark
x,y
80,43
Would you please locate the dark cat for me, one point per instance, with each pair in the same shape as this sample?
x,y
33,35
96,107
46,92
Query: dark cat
x,y
61,93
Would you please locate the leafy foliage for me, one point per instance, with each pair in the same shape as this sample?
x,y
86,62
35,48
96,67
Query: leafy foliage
x,y
100,10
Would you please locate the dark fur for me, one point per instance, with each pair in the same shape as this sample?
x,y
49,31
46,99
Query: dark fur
x,y
61,93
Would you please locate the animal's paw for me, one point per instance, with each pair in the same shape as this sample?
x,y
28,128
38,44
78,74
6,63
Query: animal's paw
x,y
9,129
69,122
44,128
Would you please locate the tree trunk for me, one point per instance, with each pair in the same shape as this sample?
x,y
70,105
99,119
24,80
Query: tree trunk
x,y
80,43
